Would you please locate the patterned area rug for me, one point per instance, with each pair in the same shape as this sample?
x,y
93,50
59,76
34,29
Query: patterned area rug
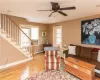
x,y
53,75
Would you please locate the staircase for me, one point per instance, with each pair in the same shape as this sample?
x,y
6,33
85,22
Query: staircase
x,y
11,32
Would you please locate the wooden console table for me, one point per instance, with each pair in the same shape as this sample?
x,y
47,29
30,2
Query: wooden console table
x,y
80,69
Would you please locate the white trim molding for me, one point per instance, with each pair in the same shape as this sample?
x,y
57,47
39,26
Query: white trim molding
x,y
15,63
39,52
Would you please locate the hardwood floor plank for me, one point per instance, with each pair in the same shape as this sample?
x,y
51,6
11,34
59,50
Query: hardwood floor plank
x,y
26,69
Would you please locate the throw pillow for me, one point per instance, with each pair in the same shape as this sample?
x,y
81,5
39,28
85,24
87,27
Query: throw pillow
x,y
98,58
78,49
71,50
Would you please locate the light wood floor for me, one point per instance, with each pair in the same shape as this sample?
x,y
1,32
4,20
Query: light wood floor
x,y
24,70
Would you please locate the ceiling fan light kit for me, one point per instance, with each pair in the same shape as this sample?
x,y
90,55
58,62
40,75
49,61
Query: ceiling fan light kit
x,y
56,8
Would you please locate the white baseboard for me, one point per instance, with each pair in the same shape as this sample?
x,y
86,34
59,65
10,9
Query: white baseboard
x,y
15,63
39,52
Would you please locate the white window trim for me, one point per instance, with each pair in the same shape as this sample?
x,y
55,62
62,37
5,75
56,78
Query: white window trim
x,y
38,36
31,26
26,34
54,33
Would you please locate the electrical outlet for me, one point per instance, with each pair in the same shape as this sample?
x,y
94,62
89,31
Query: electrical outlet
x,y
7,58
6,61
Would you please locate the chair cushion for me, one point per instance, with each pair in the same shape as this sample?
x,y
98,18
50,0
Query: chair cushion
x,y
97,75
95,63
94,56
70,55
52,59
48,53
86,52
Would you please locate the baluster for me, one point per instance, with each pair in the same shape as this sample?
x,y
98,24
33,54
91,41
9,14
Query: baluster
x,y
17,31
10,27
11,30
28,47
24,41
1,23
30,50
6,25
19,36
14,32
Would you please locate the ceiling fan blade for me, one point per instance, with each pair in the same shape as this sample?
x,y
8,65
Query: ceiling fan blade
x,y
54,3
68,8
44,10
62,13
50,14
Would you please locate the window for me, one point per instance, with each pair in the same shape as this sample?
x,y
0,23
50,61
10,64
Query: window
x,y
35,35
58,36
24,40
32,32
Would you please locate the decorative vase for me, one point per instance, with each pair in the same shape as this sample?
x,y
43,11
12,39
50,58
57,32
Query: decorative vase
x,y
92,39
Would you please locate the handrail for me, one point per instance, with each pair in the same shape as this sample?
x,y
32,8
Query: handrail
x,y
19,28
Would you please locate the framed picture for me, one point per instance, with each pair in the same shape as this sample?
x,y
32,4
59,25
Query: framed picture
x,y
90,31
43,33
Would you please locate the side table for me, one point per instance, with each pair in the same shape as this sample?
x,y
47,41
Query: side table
x,y
62,52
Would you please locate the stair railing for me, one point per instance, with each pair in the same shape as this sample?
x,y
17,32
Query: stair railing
x,y
13,31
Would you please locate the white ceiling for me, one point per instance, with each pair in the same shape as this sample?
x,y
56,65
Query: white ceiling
x,y
28,9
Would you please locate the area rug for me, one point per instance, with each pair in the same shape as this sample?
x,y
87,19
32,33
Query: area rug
x,y
53,75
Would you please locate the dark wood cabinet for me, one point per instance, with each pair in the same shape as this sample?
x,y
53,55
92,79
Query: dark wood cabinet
x,y
47,45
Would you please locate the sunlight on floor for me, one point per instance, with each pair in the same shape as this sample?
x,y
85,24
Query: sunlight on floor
x,y
25,74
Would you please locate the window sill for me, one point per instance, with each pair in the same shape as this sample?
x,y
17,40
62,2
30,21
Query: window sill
x,y
35,45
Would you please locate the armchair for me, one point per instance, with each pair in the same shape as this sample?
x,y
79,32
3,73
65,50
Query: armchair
x,y
52,59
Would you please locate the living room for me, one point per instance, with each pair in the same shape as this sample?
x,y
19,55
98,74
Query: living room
x,y
41,18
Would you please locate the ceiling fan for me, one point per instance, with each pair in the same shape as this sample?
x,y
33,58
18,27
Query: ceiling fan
x,y
56,8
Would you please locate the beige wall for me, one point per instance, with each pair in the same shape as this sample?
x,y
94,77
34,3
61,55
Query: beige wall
x,y
50,34
71,31
10,52
42,27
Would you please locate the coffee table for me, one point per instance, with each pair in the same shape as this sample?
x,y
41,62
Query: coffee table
x,y
80,69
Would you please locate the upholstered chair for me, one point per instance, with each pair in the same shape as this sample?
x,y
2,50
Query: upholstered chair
x,y
52,58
